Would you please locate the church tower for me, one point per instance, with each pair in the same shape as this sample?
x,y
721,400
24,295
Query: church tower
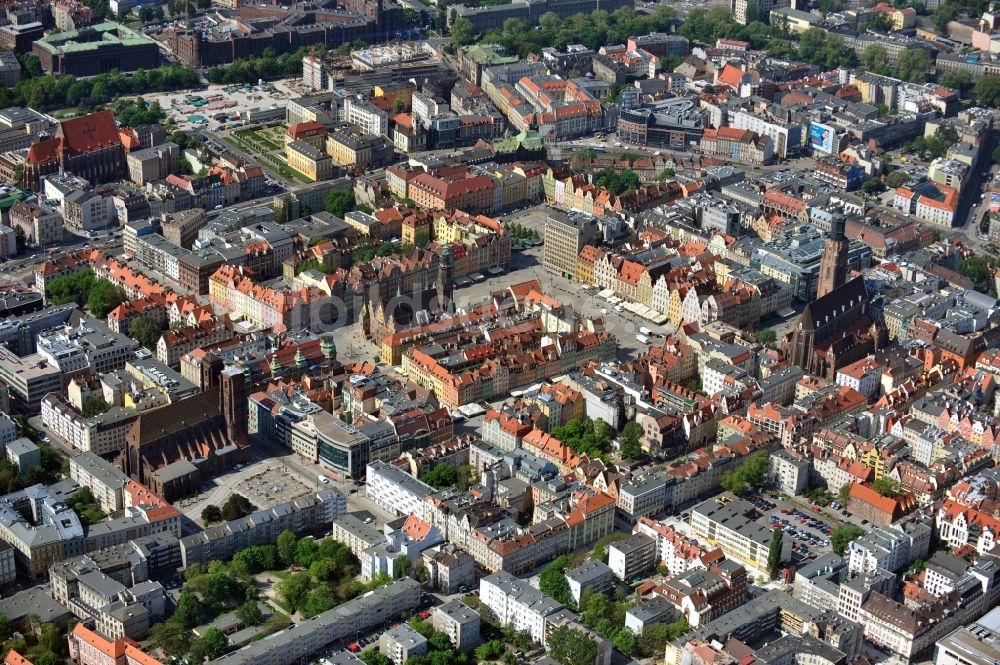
x,y
833,265
445,283
233,404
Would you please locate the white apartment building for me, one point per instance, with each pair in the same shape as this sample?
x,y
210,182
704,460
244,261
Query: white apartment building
x,y
789,474
729,523
354,533
370,118
891,548
105,480
678,552
396,491
516,603
459,622
863,375
401,642
786,137
103,434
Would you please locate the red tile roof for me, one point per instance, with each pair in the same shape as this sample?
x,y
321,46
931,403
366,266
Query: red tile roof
x,y
89,132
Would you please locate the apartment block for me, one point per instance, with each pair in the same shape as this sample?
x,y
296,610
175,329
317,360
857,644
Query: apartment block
x,y
594,576
105,480
459,622
516,603
730,523
394,490
303,515
891,548
310,636
632,557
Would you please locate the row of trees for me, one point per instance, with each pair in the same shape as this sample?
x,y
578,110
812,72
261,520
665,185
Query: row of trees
x,y
235,507
596,29
47,93
83,288
268,66
912,65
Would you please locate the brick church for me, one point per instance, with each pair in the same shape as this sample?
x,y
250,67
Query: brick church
x,y
171,450
89,147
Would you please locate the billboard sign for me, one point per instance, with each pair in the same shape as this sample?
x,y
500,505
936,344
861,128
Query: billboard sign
x,y
821,138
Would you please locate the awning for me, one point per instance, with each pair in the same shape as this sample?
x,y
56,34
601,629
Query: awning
x,y
495,271
477,277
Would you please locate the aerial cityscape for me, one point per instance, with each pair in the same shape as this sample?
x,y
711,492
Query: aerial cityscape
x,y
499,332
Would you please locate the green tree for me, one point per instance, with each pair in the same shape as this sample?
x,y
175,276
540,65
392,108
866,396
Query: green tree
x,y
235,507
441,476
887,487
293,590
486,651
170,637
6,629
51,640
774,551
20,240
913,65
145,330
987,91
189,610
570,646
339,202
942,16
94,406
213,644
104,297
979,269
844,493
960,81
306,552
286,546
462,32
995,155
552,580
654,637
843,535
875,59
749,476
466,477
318,601
767,337
897,179
48,658
629,445
211,514
373,657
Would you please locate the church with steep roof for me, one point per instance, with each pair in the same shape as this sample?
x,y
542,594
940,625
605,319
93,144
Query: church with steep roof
x,y
89,146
